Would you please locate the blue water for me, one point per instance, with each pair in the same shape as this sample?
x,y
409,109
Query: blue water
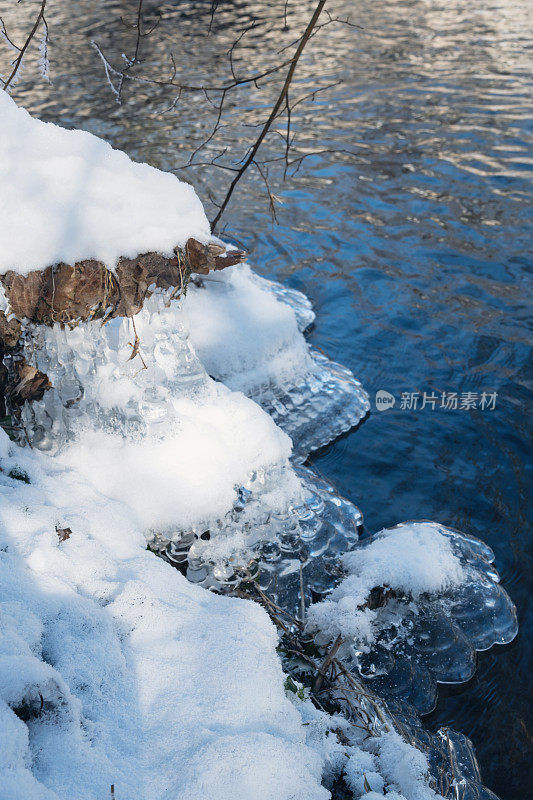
x,y
416,251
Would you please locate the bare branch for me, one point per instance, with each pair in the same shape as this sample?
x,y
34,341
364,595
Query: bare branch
x,y
7,37
18,60
273,114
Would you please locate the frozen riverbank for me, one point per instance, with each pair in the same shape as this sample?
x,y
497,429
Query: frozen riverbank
x,y
142,445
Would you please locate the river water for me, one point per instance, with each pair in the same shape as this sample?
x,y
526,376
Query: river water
x,y
414,244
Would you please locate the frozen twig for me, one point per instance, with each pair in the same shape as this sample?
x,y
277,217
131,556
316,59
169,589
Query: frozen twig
x,y
22,51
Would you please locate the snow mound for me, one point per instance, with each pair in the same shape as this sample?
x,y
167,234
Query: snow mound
x,y
115,670
246,332
416,603
68,196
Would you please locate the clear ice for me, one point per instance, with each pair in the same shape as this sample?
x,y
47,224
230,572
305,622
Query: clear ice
x,y
433,638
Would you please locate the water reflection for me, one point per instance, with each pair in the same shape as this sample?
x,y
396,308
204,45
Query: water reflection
x,y
416,249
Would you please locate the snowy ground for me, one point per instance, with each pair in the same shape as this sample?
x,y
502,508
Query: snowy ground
x,y
116,670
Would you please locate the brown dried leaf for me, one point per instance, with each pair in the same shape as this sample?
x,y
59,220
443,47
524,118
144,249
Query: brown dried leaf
x,y
63,534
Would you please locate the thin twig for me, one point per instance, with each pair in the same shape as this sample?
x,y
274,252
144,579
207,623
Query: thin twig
x,y
18,61
325,664
273,114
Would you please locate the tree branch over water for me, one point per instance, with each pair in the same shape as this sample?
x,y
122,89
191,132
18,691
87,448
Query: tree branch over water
x,y
275,110
17,63
231,86
216,95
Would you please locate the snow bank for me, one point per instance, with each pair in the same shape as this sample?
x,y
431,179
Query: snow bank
x,y
147,681
68,196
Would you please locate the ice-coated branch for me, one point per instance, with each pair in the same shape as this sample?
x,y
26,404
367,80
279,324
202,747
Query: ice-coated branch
x,y
22,51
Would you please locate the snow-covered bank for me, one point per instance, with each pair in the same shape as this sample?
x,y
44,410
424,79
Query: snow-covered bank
x,y
116,670
147,681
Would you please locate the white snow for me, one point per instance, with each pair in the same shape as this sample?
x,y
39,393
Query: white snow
x,y
68,196
380,760
147,681
248,333
412,558
243,334
188,478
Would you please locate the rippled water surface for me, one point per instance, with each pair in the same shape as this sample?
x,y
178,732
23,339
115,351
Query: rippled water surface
x,y
414,244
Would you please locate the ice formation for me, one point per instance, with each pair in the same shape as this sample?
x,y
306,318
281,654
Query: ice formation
x,y
206,477
298,301
415,605
188,454
68,196
115,669
253,344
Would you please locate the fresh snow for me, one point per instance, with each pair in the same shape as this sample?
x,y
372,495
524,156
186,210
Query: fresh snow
x,y
68,196
248,333
147,682
243,334
413,558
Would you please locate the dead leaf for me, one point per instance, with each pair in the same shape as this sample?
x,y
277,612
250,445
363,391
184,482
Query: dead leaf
x,y
63,534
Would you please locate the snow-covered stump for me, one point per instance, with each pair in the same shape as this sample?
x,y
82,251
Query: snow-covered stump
x,y
68,295
98,368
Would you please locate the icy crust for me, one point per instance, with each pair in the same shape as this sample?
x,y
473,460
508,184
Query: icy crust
x,y
373,759
116,670
246,332
68,196
272,548
453,770
383,754
416,603
318,409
